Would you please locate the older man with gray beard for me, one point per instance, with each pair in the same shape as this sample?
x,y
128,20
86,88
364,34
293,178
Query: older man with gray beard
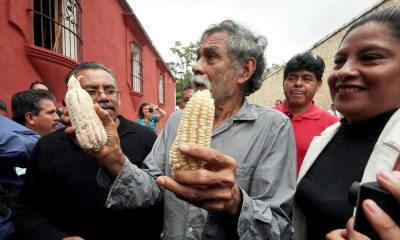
x,y
246,190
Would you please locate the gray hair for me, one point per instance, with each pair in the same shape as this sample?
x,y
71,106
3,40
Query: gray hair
x,y
91,66
242,45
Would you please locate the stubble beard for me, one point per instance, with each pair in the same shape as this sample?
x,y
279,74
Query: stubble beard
x,y
220,88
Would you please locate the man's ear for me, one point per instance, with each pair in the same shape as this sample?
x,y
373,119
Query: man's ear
x,y
29,118
248,68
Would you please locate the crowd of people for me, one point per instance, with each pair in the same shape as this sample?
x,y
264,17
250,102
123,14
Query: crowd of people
x,y
270,173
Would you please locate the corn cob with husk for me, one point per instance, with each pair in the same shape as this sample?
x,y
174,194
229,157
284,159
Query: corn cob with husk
x,y
90,132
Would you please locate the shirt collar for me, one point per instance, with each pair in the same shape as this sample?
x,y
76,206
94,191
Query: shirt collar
x,y
246,112
314,112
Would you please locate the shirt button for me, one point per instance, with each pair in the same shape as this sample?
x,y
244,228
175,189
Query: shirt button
x,y
190,229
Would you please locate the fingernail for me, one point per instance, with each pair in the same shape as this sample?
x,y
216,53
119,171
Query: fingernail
x,y
389,176
160,181
183,147
372,207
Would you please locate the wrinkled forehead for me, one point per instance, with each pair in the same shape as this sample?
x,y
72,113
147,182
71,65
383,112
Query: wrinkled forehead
x,y
217,40
96,78
302,73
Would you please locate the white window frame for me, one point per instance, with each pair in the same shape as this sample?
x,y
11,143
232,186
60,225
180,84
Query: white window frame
x,y
161,89
137,69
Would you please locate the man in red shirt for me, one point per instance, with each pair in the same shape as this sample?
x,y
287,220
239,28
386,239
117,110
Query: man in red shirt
x,y
302,79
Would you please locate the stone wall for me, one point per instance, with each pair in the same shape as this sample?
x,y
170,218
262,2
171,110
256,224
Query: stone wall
x,y
272,88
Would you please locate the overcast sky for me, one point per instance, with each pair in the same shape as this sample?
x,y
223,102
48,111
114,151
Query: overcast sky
x,y
291,26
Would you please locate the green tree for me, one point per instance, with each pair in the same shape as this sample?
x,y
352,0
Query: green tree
x,y
182,69
272,68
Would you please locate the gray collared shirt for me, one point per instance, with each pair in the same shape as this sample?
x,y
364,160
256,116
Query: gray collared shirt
x,y
261,140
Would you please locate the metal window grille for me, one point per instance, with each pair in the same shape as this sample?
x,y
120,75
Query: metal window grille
x,y
137,70
58,26
161,91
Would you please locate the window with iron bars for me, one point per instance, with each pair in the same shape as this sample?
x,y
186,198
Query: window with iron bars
x,y
57,26
161,88
137,71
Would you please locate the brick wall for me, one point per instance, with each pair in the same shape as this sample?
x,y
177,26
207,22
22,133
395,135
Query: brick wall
x,y
272,88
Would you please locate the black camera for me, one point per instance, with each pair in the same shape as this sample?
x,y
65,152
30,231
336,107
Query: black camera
x,y
371,190
151,110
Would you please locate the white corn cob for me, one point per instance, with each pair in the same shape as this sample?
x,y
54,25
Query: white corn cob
x,y
90,132
195,126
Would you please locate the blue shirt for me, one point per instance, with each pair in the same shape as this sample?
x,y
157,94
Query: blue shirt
x,y
16,142
152,124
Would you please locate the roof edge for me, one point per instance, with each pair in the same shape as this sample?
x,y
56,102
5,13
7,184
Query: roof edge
x,y
348,23
130,11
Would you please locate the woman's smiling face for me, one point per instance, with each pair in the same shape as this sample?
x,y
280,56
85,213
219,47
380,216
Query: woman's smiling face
x,y
365,80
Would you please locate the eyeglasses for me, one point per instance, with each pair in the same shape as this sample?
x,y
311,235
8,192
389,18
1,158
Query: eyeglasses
x,y
111,93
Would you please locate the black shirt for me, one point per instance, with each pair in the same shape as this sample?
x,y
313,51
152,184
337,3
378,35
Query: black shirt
x,y
322,193
61,197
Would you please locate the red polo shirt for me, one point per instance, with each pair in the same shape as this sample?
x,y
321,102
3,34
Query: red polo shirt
x,y
306,126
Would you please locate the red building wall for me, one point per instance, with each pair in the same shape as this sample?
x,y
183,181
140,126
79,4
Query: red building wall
x,y
108,28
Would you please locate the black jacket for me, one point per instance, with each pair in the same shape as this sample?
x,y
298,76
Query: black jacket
x,y
60,196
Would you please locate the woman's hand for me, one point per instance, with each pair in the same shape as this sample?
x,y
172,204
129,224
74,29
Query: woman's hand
x,y
160,110
155,107
386,228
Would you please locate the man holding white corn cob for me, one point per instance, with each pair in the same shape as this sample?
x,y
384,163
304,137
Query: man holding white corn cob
x,y
247,178
60,198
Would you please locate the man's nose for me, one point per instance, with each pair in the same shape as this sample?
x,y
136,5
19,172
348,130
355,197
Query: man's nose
x,y
298,82
102,97
198,68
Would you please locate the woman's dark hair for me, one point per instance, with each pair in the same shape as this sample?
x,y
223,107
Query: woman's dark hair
x,y
140,110
388,16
